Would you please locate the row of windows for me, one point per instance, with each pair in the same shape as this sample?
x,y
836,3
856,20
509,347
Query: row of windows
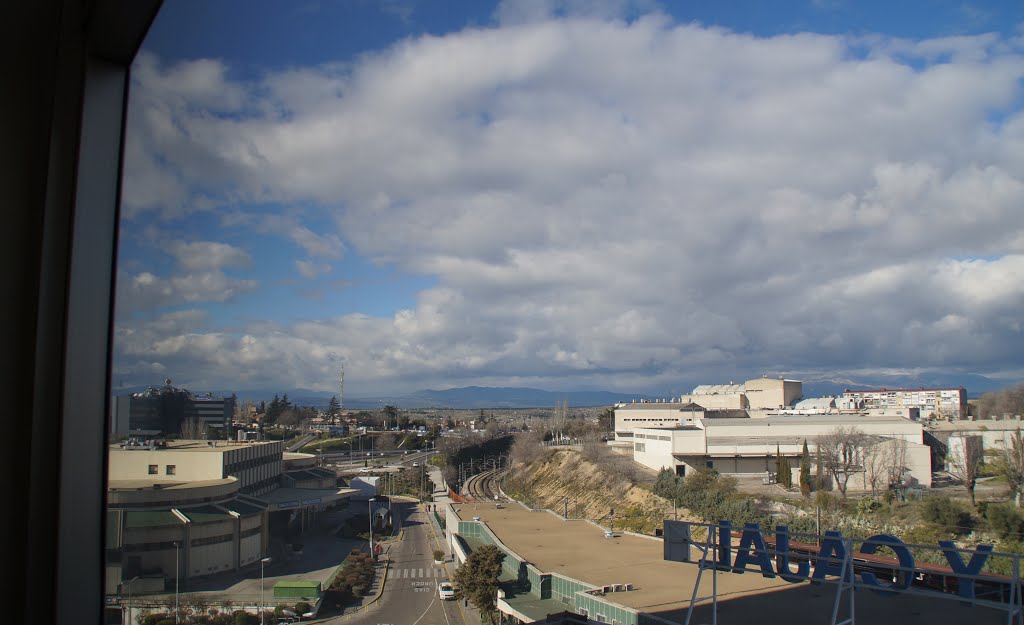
x,y
260,486
171,469
654,437
250,463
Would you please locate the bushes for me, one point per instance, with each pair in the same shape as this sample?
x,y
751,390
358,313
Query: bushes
x,y
1006,521
354,578
947,515
302,607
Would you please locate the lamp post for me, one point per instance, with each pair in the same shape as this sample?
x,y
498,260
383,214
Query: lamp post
x,y
177,575
263,563
130,582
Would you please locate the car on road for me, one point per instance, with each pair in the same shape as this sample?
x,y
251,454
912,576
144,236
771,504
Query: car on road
x,y
364,470
415,464
446,591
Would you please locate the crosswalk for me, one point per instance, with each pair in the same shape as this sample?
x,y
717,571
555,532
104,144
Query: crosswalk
x,y
414,573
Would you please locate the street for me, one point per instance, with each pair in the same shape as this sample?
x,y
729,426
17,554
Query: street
x,y
410,594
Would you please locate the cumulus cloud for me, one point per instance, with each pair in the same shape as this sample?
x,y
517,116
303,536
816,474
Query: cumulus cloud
x,y
616,203
208,255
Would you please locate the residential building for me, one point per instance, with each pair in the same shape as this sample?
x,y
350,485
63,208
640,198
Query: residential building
x,y
932,403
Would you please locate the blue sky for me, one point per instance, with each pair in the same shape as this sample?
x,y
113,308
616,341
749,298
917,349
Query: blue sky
x,y
627,195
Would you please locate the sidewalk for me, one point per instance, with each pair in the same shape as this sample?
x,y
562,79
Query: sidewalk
x,y
470,615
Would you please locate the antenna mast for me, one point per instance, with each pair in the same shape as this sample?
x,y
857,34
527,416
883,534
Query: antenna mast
x,y
341,395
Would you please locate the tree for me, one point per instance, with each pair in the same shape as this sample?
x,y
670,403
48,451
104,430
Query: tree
x,y
785,476
895,462
841,450
333,406
1010,465
875,466
390,414
477,578
607,420
965,463
273,411
805,470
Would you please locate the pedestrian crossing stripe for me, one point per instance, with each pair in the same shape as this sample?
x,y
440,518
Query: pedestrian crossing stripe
x,y
414,573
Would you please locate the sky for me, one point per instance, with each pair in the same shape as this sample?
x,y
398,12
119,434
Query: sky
x,y
569,195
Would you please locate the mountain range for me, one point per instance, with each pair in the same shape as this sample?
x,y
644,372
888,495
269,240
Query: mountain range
x,y
474,397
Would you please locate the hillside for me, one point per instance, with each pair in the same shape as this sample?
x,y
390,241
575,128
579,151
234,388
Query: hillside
x,y
564,481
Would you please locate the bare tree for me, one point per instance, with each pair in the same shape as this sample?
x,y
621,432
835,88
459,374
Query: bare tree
x,y
528,447
965,462
895,461
842,454
1011,465
559,419
875,466
192,429
386,441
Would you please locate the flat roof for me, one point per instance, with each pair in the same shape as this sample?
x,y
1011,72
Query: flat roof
x,y
579,550
220,446
142,484
557,546
811,419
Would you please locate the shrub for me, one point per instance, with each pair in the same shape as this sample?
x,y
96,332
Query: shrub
x,y
1005,520
155,618
302,607
438,555
946,514
867,505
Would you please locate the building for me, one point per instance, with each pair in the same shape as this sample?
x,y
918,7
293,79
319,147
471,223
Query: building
x,y
172,411
554,566
749,446
208,505
931,403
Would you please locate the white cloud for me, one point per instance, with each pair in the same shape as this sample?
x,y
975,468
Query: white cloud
x,y
309,269
208,255
615,203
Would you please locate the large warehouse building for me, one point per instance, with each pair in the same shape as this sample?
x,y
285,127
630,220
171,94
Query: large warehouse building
x,y
205,507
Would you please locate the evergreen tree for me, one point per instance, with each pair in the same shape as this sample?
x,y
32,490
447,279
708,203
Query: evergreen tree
x,y
805,470
477,578
819,479
285,404
273,411
334,406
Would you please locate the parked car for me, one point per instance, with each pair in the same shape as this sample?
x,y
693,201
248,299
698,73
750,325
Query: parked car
x,y
446,591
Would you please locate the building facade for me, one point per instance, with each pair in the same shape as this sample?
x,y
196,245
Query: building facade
x,y
932,403
750,446
171,411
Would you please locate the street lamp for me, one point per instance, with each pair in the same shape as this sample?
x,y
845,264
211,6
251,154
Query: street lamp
x,y
130,582
177,575
263,562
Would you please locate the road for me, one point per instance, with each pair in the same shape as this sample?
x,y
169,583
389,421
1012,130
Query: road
x,y
410,592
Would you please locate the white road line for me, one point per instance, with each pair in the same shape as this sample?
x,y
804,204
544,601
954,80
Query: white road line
x,y
432,598
405,573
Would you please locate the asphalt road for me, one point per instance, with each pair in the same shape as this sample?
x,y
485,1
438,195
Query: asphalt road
x,y
410,592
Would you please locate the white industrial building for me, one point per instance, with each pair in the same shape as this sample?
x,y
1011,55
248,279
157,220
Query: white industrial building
x,y
749,446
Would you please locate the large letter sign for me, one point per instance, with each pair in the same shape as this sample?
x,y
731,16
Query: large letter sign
x,y
752,539
803,568
971,568
906,559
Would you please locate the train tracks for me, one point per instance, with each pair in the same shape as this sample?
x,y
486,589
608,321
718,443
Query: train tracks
x,y
484,486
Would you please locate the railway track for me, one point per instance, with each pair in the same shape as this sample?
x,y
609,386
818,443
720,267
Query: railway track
x,y
484,486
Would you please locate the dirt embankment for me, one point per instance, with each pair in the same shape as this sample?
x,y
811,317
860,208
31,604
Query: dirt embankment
x,y
570,485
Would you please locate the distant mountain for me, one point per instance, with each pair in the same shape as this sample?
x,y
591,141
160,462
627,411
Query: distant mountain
x,y
976,385
510,397
475,397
